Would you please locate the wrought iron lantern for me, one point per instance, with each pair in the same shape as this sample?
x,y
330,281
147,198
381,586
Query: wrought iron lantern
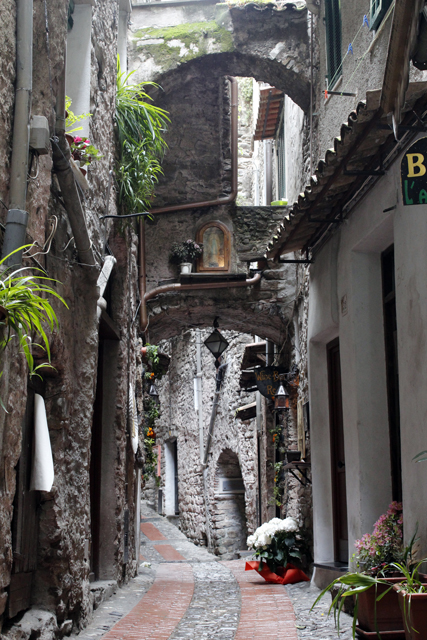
x,y
281,401
216,343
154,394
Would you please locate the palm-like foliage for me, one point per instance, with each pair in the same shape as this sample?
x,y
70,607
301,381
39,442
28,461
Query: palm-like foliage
x,y
25,312
140,127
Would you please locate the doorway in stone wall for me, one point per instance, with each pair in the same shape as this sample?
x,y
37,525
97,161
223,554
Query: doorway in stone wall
x,y
228,513
171,478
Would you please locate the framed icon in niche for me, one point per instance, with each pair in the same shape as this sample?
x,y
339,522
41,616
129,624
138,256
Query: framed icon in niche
x,y
215,238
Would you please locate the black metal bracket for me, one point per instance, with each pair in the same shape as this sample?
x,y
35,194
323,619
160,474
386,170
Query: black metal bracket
x,y
304,474
339,93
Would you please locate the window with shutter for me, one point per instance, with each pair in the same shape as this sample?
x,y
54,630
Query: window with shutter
x,y
333,40
378,11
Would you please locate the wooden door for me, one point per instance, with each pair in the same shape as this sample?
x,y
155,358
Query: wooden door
x,y
339,495
392,365
25,520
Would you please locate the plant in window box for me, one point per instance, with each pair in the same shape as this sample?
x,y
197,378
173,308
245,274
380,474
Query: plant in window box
x,y
151,355
412,594
377,557
184,254
83,151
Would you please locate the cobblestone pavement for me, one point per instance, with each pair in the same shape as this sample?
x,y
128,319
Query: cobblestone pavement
x,y
186,594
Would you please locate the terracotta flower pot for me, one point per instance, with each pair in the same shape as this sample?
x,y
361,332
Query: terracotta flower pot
x,y
69,138
387,613
3,313
414,614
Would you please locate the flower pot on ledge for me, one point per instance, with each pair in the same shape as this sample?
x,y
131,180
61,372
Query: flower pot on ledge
x,y
386,613
186,267
414,614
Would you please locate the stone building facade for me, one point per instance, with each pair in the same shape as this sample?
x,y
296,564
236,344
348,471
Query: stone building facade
x,y
63,549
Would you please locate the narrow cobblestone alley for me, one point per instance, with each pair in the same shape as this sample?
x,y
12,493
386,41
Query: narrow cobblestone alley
x,y
186,593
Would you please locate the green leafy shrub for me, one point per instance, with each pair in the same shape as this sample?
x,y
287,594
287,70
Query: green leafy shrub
x,y
140,128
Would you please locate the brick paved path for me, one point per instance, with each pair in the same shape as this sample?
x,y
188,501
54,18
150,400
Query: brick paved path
x,y
187,594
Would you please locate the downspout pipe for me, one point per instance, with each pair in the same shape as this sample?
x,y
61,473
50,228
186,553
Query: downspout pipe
x,y
234,94
61,163
17,216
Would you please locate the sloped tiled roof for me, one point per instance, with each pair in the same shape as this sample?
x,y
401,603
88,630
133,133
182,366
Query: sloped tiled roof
x,y
364,138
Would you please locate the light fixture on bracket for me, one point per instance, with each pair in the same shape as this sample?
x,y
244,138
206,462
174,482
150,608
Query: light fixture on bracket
x,y
216,343
281,401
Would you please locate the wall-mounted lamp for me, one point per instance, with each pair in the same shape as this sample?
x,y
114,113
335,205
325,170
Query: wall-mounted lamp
x,y
154,394
281,401
216,343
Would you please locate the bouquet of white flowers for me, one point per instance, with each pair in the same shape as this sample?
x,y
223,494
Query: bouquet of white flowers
x,y
278,542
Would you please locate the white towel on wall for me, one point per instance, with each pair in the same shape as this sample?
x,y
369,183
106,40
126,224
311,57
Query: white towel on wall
x,y
42,473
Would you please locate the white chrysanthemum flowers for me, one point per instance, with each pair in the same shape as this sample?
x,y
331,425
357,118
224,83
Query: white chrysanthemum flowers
x,y
263,535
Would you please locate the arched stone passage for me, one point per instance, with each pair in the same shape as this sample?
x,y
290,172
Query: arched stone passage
x,y
228,509
292,81
236,308
265,42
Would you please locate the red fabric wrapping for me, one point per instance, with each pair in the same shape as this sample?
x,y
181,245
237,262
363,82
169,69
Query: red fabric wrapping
x,y
285,575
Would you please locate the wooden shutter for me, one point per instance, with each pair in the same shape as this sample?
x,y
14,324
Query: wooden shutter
x,y
378,11
333,40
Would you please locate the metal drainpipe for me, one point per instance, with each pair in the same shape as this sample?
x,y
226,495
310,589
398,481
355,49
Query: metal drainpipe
x,y
143,314
61,163
17,216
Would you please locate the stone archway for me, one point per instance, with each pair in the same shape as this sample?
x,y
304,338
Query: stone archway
x,y
269,43
229,527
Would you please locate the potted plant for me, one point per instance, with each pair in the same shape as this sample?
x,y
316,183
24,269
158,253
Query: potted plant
x,y
184,254
82,150
282,549
25,311
412,595
378,555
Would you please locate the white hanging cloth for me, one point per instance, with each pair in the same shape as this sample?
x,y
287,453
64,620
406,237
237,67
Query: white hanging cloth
x,y
133,424
42,473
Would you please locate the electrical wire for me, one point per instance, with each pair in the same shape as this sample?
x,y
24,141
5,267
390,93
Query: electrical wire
x,y
54,222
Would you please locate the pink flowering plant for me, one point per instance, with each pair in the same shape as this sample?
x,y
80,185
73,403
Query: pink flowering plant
x,y
83,151
377,550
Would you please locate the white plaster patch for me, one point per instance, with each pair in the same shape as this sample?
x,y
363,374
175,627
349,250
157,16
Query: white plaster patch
x,y
277,49
146,41
179,43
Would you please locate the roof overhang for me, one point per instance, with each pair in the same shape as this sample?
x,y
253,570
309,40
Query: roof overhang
x,y
269,111
368,143
361,154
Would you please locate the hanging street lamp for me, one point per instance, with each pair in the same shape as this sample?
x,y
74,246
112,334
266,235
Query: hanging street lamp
x,y
281,401
154,394
216,343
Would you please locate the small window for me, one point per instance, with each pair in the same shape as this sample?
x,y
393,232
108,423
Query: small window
x,y
231,485
215,238
378,10
333,40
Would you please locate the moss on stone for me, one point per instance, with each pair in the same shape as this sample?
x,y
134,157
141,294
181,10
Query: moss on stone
x,y
197,38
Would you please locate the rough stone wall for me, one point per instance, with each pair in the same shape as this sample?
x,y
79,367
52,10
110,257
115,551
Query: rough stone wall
x,y
7,79
179,420
361,72
246,125
61,582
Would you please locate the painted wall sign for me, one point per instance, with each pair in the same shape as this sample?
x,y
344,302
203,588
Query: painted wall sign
x,y
267,380
414,173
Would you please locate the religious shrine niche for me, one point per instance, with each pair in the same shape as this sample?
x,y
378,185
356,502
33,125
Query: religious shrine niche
x,y
215,238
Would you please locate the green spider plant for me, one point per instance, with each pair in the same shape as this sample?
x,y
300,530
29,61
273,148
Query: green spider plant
x,y
25,312
140,128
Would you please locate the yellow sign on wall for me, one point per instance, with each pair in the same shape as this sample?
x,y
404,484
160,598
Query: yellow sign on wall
x,y
414,173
